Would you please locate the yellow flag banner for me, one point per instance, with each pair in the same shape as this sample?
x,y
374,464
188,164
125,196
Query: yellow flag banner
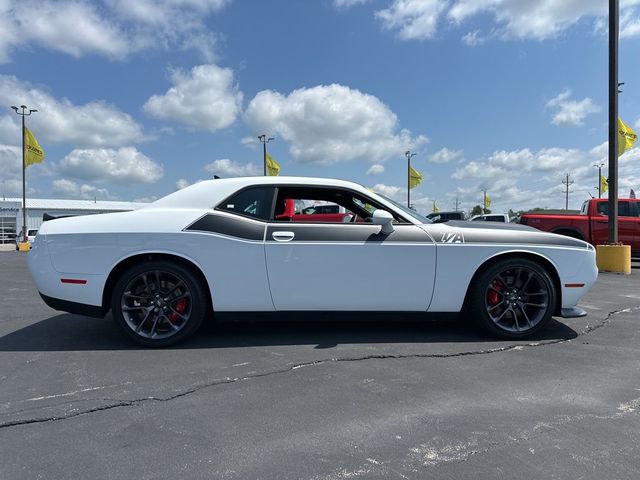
x,y
626,137
34,152
604,184
487,201
273,167
415,178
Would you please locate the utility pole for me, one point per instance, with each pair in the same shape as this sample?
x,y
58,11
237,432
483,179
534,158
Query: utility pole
x,y
484,201
614,10
408,154
599,167
457,203
567,182
263,138
25,113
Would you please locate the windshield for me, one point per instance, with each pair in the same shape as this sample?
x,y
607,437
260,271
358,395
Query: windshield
x,y
413,213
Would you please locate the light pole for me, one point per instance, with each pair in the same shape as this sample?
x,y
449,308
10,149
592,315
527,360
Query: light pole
x,y
599,167
24,113
408,154
263,138
612,184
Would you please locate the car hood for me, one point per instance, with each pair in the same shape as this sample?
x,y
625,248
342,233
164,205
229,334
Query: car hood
x,y
460,231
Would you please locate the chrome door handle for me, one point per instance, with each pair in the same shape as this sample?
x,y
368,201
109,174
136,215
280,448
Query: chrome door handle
x,y
282,236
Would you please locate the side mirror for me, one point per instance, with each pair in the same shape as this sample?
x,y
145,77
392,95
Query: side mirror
x,y
384,218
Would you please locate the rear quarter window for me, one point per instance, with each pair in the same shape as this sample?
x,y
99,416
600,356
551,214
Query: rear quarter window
x,y
253,202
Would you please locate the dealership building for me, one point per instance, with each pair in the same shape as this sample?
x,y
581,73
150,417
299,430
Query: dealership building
x,y
11,212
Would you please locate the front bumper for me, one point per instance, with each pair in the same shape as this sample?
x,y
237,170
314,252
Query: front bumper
x,y
74,307
572,312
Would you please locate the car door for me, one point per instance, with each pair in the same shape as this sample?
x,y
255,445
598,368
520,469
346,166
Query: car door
x,y
627,223
319,265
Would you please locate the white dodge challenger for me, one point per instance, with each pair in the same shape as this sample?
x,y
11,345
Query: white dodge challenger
x,y
274,244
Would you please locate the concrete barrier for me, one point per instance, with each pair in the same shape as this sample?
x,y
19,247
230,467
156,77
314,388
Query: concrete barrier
x,y
614,258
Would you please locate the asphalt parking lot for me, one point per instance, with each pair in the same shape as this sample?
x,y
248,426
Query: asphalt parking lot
x,y
319,400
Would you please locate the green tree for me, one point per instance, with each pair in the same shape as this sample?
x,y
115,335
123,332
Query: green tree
x,y
477,210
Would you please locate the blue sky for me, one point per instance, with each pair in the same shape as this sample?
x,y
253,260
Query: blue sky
x,y
137,99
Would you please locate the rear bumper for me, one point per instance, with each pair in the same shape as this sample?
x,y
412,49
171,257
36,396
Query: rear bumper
x,y
73,307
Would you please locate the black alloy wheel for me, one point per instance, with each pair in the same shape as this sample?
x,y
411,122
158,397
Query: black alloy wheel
x,y
513,298
159,303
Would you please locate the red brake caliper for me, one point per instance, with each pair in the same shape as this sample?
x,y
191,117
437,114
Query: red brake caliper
x,y
180,306
493,297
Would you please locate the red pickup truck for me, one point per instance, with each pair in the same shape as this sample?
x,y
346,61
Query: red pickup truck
x,y
592,223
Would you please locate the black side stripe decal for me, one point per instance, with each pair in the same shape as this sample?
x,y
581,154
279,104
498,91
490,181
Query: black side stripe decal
x,y
230,226
349,233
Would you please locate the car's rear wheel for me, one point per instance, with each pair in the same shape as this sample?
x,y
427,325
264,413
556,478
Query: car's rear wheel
x,y
159,303
513,298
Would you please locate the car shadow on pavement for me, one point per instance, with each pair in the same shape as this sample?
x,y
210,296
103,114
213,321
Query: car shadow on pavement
x,y
67,332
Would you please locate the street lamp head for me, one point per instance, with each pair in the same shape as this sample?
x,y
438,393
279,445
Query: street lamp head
x,y
15,108
23,107
33,110
270,138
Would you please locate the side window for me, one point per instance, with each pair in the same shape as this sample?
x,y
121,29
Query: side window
x,y
252,202
322,205
624,209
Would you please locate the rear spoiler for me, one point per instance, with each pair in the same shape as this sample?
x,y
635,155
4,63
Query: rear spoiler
x,y
47,216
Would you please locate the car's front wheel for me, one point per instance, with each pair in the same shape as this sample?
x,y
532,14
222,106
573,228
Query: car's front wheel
x,y
513,298
159,303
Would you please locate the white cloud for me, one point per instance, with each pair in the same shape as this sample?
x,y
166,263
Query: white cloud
x,y
10,161
525,178
206,98
347,3
228,168
444,155
419,201
94,124
331,123
571,112
74,28
630,24
11,170
391,191
473,38
375,169
182,183
249,142
123,165
69,188
115,28
412,19
531,19
9,131
149,199
538,19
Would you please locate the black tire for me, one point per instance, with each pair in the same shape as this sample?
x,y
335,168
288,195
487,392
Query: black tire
x,y
159,303
512,298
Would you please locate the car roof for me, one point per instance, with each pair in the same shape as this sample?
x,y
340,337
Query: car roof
x,y
209,193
